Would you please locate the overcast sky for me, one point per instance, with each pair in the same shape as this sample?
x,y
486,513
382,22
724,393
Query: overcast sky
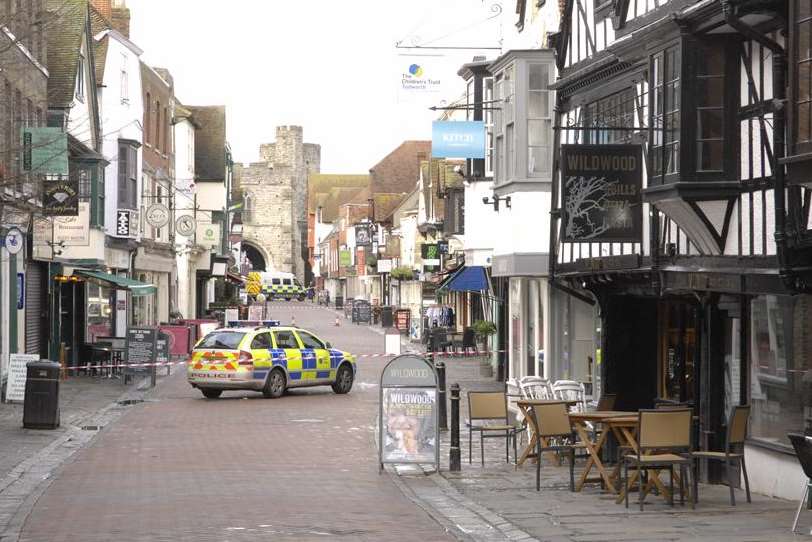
x,y
328,66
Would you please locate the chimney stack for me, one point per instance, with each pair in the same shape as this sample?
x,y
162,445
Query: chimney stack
x,y
121,17
104,7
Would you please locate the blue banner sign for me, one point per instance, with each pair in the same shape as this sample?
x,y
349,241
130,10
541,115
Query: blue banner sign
x,y
458,139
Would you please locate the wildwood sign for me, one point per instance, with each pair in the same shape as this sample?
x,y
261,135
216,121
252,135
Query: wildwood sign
x,y
601,193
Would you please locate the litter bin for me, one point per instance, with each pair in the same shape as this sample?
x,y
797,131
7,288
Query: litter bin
x,y
41,406
387,317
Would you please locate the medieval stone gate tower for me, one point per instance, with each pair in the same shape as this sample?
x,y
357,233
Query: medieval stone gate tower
x,y
274,197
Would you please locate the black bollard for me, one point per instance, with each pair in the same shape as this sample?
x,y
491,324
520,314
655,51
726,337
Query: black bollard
x,y
454,449
442,413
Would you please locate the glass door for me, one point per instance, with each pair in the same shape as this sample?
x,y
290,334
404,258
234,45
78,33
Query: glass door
x,y
677,351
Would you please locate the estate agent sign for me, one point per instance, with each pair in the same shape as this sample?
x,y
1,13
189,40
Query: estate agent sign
x,y
601,193
409,432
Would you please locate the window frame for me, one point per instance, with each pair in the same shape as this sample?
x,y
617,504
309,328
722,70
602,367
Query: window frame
x,y
292,334
301,333
258,336
80,78
127,175
797,145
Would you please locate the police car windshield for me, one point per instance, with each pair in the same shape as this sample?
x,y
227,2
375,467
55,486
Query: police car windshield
x,y
224,340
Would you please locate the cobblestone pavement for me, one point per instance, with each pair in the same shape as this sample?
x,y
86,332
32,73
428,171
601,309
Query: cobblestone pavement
x,y
180,467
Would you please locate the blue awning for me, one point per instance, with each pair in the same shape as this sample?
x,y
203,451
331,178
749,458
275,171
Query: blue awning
x,y
468,279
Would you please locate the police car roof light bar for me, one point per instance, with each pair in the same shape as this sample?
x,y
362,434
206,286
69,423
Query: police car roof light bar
x,y
254,323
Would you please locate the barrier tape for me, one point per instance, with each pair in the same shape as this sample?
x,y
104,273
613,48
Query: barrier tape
x,y
125,365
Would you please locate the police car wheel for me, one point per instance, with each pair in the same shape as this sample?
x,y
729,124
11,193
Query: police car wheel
x,y
275,385
211,393
344,378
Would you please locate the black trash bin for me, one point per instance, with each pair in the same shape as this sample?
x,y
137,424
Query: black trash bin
x,y
387,317
41,406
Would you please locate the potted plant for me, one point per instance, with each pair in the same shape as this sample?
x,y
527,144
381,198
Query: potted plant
x,y
482,330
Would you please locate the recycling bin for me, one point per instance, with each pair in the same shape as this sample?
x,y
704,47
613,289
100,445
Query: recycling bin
x,y
41,405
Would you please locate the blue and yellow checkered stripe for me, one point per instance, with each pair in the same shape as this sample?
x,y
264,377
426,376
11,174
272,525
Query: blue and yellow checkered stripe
x,y
303,365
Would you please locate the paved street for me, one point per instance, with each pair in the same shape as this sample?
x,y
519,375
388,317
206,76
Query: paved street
x,y
180,467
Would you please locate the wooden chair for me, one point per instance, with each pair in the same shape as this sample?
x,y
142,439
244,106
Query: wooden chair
x,y
553,423
733,454
803,449
490,406
664,440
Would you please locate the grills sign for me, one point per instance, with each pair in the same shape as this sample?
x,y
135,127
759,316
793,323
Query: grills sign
x,y
601,193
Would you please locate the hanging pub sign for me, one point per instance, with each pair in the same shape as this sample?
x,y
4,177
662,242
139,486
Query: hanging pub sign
x,y
409,432
430,253
458,139
45,151
363,236
60,198
601,193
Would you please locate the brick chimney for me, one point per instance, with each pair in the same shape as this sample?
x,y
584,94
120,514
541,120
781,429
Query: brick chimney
x,y
121,17
105,7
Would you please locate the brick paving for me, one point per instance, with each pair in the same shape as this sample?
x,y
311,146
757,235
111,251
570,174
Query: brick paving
x,y
500,495
242,467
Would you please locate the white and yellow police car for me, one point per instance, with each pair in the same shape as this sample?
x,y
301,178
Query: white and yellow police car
x,y
264,356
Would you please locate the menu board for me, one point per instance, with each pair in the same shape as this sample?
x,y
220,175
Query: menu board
x,y
403,319
162,347
17,373
141,345
361,311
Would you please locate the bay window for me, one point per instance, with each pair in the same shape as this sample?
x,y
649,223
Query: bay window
x,y
539,121
802,91
665,112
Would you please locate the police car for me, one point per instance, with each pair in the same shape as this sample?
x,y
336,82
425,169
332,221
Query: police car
x,y
264,356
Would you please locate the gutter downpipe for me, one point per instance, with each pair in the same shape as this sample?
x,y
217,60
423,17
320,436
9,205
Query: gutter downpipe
x,y
779,138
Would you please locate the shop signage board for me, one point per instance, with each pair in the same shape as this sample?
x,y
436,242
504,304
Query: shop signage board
x,y
141,345
14,241
361,312
45,151
344,258
185,225
60,198
208,235
408,427
162,347
17,373
458,139
126,223
601,193
385,266
403,319
73,231
363,236
157,215
430,254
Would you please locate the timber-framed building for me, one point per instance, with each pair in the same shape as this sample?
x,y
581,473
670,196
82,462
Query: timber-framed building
x,y
699,252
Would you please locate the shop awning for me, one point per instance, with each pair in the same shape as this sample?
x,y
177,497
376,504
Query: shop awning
x,y
137,288
468,279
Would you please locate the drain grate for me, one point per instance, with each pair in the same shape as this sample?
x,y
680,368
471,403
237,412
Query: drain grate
x,y
127,402
90,427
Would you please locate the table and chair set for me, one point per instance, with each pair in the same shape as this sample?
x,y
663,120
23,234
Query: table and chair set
x,y
653,443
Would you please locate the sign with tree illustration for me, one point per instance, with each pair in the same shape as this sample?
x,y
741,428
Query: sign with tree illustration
x,y
601,193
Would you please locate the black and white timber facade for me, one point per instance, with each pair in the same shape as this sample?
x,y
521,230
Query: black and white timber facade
x,y
707,300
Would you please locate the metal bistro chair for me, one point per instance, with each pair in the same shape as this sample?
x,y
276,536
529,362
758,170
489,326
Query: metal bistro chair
x,y
571,390
733,454
553,423
803,448
535,387
666,433
485,406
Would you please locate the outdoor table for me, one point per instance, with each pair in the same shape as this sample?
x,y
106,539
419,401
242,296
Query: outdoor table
x,y
525,405
620,423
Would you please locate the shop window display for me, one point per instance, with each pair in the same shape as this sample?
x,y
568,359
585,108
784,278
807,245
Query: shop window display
x,y
780,366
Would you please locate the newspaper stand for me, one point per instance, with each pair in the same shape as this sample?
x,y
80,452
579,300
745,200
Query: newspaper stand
x,y
408,426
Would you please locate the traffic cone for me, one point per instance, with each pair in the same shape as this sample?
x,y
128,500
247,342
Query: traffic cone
x,y
338,322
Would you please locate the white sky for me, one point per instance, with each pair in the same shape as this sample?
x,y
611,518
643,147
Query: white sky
x,y
328,66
